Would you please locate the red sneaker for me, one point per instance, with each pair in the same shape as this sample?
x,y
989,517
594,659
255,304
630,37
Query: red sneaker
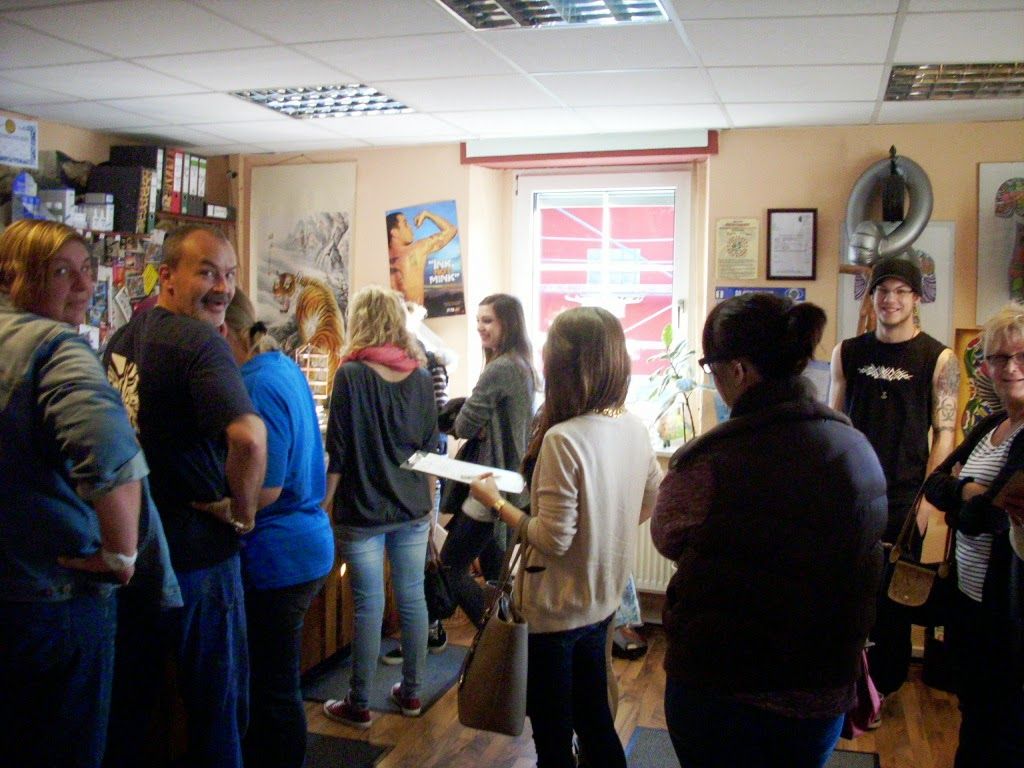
x,y
346,712
410,705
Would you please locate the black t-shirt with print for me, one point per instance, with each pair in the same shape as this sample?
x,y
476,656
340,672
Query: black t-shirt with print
x,y
889,399
182,388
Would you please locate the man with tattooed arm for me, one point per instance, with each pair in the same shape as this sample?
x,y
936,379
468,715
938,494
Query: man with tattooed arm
x,y
897,384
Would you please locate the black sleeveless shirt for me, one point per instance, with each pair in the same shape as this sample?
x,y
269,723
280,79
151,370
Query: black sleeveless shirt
x,y
889,399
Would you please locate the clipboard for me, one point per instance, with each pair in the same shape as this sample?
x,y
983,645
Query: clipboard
x,y
435,464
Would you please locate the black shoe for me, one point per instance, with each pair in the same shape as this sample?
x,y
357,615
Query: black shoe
x,y
627,644
437,641
437,638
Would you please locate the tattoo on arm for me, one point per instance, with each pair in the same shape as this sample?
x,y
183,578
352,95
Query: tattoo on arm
x,y
947,384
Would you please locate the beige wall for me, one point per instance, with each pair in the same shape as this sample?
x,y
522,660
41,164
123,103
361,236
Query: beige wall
x,y
755,170
393,178
78,143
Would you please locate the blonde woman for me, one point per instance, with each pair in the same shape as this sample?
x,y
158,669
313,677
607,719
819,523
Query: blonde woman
x,y
71,494
382,411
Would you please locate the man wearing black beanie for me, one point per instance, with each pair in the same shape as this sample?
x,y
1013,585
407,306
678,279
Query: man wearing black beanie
x,y
896,383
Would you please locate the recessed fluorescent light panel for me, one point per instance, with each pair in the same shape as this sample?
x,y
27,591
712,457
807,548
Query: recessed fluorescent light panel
x,y
499,14
322,101
944,82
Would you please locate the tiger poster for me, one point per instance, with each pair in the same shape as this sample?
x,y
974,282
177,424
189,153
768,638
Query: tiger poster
x,y
300,239
425,257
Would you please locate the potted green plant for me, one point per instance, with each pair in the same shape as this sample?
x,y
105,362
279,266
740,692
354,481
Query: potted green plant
x,y
673,384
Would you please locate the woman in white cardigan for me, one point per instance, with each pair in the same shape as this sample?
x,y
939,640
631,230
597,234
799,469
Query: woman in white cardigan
x,y
593,480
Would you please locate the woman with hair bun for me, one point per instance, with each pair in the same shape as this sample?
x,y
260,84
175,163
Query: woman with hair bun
x,y
287,556
774,519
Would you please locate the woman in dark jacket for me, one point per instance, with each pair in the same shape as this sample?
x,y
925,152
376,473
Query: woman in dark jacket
x,y
985,627
774,519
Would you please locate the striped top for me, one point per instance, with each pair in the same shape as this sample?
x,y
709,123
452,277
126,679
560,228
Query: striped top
x,y
973,552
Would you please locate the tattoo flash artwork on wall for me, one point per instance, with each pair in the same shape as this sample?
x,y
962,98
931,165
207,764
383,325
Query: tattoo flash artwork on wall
x,y
300,240
425,256
1000,236
934,249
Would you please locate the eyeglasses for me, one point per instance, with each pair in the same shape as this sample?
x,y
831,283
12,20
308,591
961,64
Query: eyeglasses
x,y
706,362
899,293
1001,361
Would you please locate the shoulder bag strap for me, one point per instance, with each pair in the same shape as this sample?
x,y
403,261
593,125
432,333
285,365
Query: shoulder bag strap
x,y
903,540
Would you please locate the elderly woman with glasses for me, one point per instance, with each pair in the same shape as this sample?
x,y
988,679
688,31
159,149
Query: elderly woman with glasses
x,y
985,628
774,520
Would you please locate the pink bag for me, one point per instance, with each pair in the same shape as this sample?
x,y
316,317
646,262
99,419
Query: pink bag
x,y
867,706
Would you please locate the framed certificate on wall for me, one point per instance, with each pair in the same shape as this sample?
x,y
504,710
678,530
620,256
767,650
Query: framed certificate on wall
x,y
792,243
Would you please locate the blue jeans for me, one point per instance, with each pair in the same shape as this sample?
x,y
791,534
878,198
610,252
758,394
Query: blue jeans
x,y
363,550
56,667
208,640
567,691
711,732
277,728
213,663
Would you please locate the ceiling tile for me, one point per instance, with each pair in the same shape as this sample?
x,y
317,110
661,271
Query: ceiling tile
x,y
860,82
659,86
282,129
966,110
397,58
130,28
14,5
942,38
212,150
466,93
825,40
249,68
21,47
14,94
335,142
835,113
193,108
924,6
385,126
655,118
175,134
525,122
642,46
100,80
738,9
89,114
302,21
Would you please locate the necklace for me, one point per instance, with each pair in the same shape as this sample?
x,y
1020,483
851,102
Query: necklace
x,y
611,412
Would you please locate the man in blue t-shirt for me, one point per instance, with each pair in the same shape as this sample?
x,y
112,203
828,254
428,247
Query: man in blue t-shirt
x,y
207,450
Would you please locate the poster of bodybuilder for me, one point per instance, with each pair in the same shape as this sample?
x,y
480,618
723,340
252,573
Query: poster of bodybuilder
x,y
425,256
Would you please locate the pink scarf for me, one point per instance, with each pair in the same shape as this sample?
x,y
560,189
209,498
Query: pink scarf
x,y
387,355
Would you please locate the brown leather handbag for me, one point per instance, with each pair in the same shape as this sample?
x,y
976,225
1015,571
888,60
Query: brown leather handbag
x,y
922,589
492,686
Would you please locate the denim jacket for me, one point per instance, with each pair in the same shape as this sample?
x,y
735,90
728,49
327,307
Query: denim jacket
x,y
65,439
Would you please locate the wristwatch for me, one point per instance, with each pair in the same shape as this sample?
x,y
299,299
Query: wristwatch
x,y
497,506
115,561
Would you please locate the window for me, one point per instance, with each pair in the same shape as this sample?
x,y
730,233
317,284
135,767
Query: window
x,y
619,241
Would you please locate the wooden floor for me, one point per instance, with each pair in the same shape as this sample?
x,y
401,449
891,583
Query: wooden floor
x,y
918,730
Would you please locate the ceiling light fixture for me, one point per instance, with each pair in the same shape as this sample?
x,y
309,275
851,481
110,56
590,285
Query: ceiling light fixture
x,y
944,82
498,14
322,101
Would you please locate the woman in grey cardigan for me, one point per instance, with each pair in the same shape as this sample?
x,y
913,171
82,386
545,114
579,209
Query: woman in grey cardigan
x,y
497,417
